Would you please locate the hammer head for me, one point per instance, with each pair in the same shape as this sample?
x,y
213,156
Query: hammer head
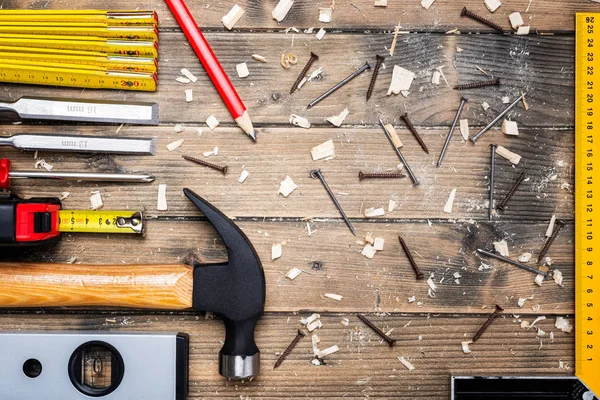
x,y
234,290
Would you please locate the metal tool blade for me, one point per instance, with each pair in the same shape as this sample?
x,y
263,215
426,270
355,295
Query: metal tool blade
x,y
82,176
80,144
106,111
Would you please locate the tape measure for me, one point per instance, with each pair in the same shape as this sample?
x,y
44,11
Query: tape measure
x,y
587,200
101,221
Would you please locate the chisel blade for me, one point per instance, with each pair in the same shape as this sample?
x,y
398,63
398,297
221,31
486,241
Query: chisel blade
x,y
104,111
80,144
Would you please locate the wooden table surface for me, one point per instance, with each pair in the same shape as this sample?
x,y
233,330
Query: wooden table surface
x,y
430,330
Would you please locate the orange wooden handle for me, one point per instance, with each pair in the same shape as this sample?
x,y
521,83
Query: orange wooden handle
x,y
72,285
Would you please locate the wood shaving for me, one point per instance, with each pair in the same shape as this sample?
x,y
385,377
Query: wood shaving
x,y
525,104
64,195
525,257
501,247
539,279
185,72
287,186
395,138
492,5
505,99
522,300
325,14
485,106
242,70
516,20
369,238
406,363
212,122
374,212
392,205
535,321
368,251
243,176
41,163
178,128
328,351
464,128
315,74
551,226
320,34
396,31
378,243
281,10
380,3
297,120
345,321
459,49
334,296
315,344
450,202
232,17
426,3
293,273
189,96
431,283
325,151
435,77
276,251
558,277
510,128
401,80
337,120
161,202
182,79
509,155
213,152
523,30
311,326
309,319
563,324
96,201
465,346
174,145
260,58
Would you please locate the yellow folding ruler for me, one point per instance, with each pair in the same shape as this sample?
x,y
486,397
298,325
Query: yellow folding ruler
x,y
587,200
109,17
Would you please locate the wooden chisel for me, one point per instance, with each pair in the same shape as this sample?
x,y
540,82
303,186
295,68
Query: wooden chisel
x,y
80,144
105,111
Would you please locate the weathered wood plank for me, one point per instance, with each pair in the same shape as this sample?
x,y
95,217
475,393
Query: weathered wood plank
x,y
383,283
521,62
547,158
362,367
547,15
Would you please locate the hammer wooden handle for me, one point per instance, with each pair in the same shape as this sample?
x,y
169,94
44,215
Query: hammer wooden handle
x,y
72,285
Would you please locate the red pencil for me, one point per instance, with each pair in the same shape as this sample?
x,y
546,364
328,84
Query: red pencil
x,y
212,66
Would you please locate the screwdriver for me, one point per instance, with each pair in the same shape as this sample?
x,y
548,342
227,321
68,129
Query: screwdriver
x,y
6,175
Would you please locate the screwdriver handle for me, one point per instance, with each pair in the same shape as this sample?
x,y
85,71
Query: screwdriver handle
x,y
5,173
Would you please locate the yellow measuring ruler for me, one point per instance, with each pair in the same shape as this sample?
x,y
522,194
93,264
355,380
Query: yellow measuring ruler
x,y
120,63
587,200
137,32
125,17
88,78
102,221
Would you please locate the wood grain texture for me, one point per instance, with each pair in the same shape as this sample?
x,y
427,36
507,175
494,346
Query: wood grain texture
x,y
382,284
543,15
363,366
520,62
70,285
280,152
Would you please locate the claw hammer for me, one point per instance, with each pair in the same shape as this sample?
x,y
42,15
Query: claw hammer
x,y
235,290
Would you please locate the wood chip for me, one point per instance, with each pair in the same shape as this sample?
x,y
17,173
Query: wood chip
x,y
320,34
281,10
243,176
299,121
378,243
310,319
287,186
315,344
406,363
185,72
450,202
396,31
337,120
41,163
189,96
435,77
260,58
492,5
161,203
328,351
465,346
501,247
178,128
325,14
426,3
276,251
392,205
334,296
525,257
516,20
293,273
464,128
485,106
551,226
509,155
182,79
539,279
242,70
96,201
523,30
374,212
212,122
563,324
510,128
558,277
380,3
325,150
174,145
525,104
232,17
311,326
401,80
395,138
368,251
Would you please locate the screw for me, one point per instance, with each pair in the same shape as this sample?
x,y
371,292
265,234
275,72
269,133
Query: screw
x,y
511,191
206,163
374,76
559,225
389,136
404,117
498,118
410,258
339,85
386,175
485,21
492,172
313,58
378,331
316,174
463,100
487,323
515,263
479,84
289,349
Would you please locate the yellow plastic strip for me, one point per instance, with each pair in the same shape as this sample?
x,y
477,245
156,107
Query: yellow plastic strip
x,y
101,221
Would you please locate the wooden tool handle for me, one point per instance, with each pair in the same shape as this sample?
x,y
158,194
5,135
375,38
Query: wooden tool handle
x,y
71,285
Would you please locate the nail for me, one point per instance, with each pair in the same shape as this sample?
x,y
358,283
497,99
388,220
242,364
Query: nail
x,y
289,349
492,172
411,128
378,331
485,21
558,225
313,58
223,169
515,263
511,191
382,175
498,118
316,174
408,170
339,85
410,258
487,323
374,76
479,84
463,100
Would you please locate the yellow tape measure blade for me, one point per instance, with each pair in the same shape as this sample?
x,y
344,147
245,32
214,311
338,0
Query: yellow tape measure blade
x,y
101,221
